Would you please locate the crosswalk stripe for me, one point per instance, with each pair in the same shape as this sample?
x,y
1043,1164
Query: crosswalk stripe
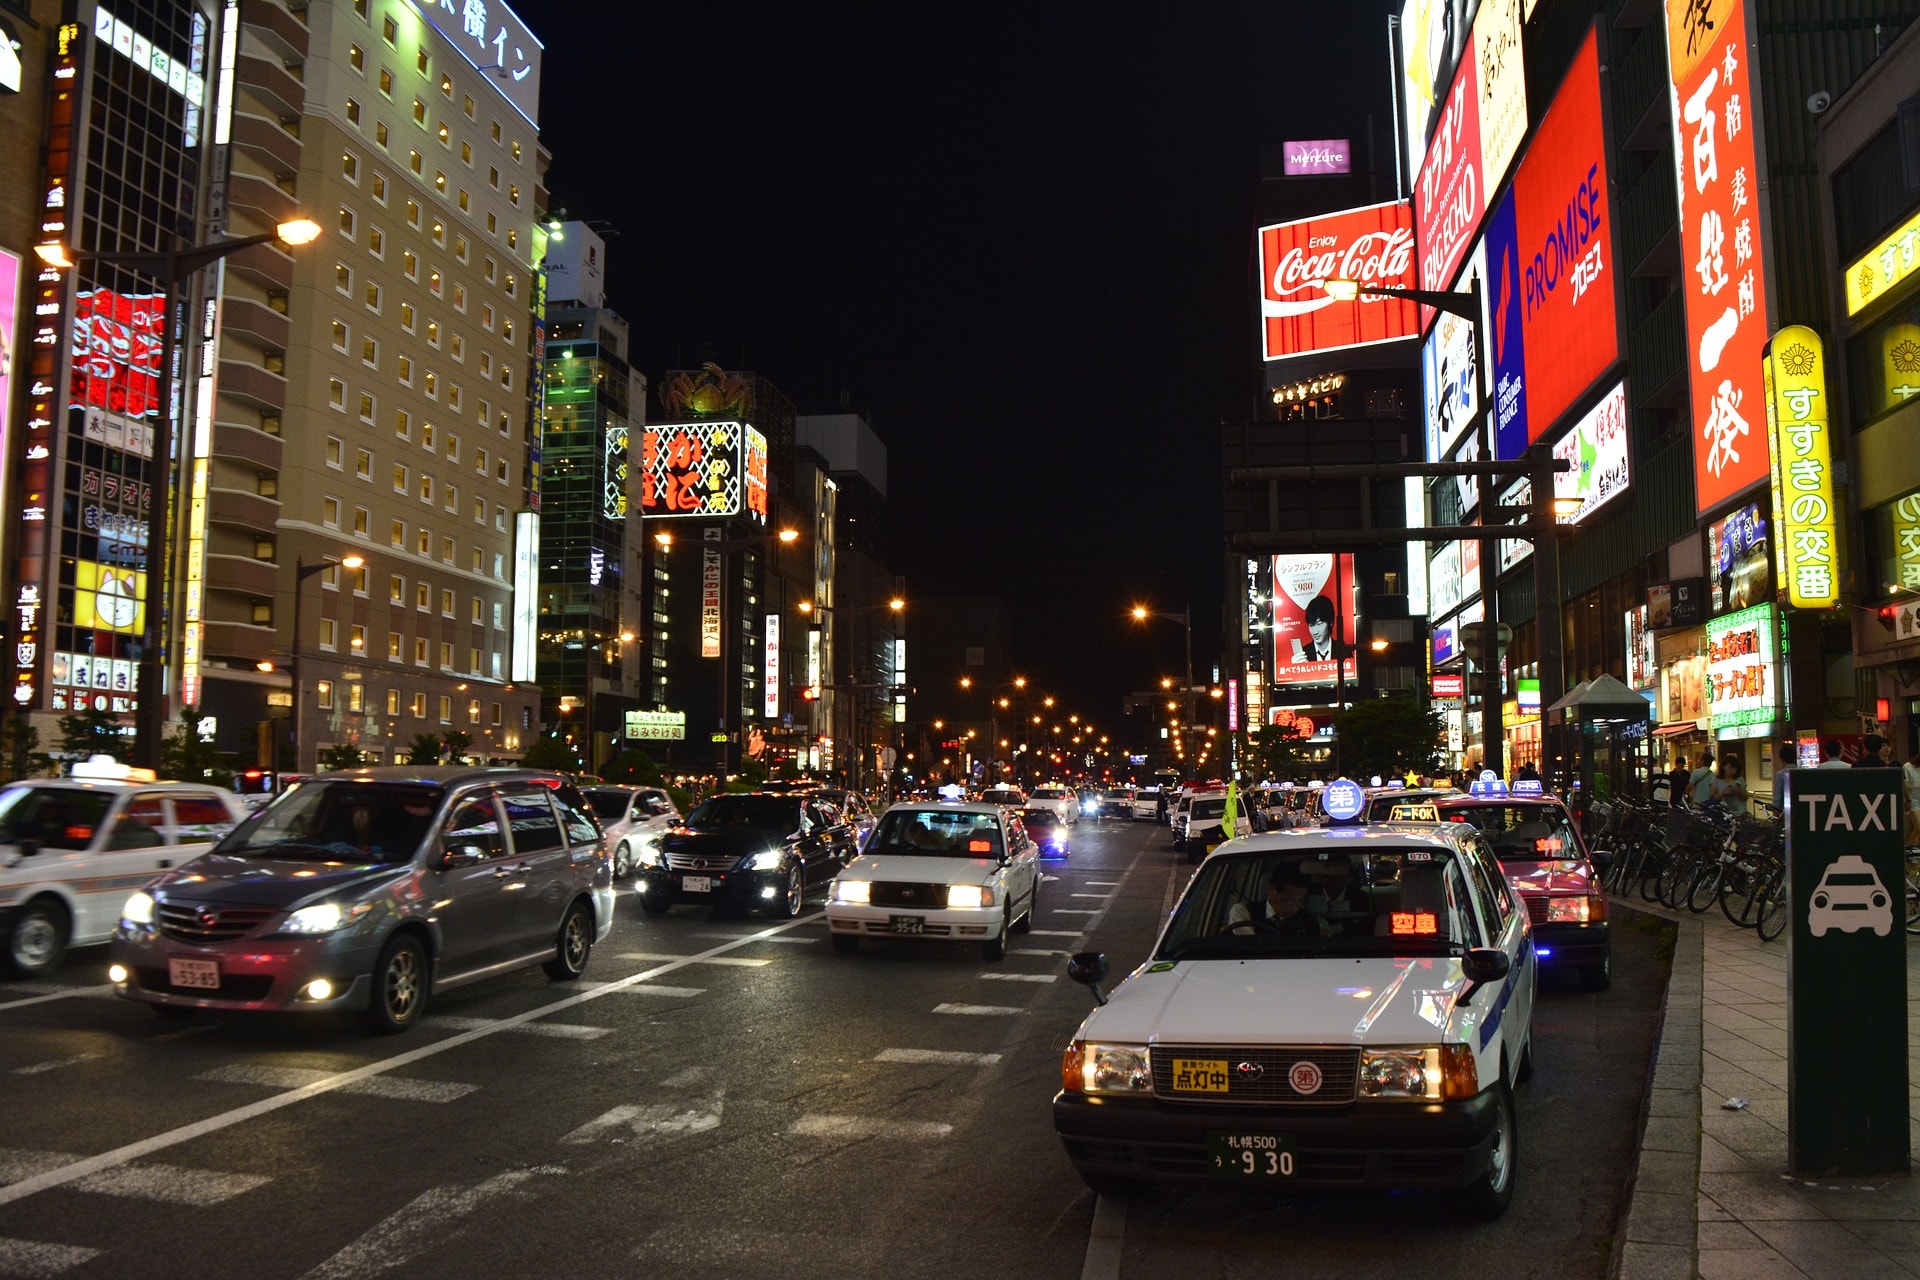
x,y
976,1009
739,962
552,1030
1076,911
1100,896
54,1065
1055,933
654,989
788,939
937,1057
423,1223
373,1086
669,1118
817,1126
1101,884
1020,977
165,1183
37,1260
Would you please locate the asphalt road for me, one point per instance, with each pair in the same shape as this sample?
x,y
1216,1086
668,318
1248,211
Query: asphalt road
x,y
724,1096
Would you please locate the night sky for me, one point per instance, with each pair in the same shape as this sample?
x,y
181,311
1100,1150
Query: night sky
x,y
1017,239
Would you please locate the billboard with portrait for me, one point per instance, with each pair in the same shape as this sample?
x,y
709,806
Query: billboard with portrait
x,y
1313,619
1372,245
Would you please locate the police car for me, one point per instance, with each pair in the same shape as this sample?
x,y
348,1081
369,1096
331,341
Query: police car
x,y
72,849
1347,1007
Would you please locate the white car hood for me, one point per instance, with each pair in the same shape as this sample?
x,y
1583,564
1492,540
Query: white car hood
x,y
1290,1001
913,870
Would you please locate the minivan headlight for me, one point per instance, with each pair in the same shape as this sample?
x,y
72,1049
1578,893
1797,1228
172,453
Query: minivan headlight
x,y
323,917
139,909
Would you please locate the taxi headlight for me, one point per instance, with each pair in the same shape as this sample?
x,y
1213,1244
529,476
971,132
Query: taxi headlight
x,y
1400,1073
854,891
969,895
767,860
1569,910
1113,1068
139,910
323,917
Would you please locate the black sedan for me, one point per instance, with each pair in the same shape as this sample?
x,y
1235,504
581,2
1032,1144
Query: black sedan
x,y
750,849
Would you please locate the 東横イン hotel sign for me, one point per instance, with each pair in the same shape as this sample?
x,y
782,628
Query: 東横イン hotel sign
x,y
1806,542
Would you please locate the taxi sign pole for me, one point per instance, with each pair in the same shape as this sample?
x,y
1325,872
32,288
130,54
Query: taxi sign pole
x,y
1847,1106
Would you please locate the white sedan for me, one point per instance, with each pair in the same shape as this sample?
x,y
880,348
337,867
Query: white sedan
x,y
942,873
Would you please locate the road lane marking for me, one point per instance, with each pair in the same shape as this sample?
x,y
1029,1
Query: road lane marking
x,y
968,1010
1020,977
552,1030
425,1222
937,1057
803,942
1100,896
164,1183
131,1151
743,962
1101,884
64,993
816,1126
53,1065
37,1260
1056,933
685,1079
375,1087
679,993
1106,1240
672,1119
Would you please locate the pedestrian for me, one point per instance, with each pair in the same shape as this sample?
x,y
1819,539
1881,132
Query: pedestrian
x,y
1879,754
1728,789
1830,753
1527,773
1700,782
1781,763
1677,782
1910,771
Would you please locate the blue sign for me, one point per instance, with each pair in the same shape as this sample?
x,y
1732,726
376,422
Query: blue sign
x,y
1342,800
1509,347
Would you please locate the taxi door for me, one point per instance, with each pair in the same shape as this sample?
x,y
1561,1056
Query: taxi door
x,y
1023,867
132,850
1505,924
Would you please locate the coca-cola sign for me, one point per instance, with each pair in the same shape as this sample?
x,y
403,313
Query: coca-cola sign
x,y
1371,245
1317,156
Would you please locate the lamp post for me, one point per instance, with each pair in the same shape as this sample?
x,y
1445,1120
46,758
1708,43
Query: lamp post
x,y
1185,618
173,267
896,608
301,572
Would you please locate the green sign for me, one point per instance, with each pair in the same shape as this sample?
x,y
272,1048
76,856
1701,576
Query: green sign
x,y
720,737
656,726
1846,974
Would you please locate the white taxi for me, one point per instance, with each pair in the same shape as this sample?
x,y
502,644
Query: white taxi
x,y
72,849
940,872
1346,1007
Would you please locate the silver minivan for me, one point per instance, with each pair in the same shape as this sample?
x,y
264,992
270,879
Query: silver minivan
x,y
370,889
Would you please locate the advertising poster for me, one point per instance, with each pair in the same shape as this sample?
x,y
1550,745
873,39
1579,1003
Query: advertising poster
x,y
1450,371
703,470
1640,659
1313,619
1713,145
1740,671
1596,445
1740,559
1433,39
1372,245
1685,696
9,325
1317,157
109,598
1551,286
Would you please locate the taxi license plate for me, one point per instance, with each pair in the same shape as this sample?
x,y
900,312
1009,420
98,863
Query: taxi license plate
x,y
1200,1075
202,975
906,924
1250,1155
696,884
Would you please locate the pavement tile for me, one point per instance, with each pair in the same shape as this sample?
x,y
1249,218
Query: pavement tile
x,y
1672,1133
1643,1260
1664,1102
1660,1217
1728,1235
1826,1248
1747,1264
1756,1197
1717,1157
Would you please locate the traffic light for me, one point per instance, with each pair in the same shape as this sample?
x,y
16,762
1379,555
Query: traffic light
x,y
1888,615
810,693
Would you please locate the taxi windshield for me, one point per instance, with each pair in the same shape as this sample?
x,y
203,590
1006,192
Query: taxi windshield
x,y
1385,900
934,833
1521,832
53,817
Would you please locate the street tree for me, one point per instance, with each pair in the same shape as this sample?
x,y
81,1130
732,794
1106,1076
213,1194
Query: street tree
x,y
424,749
188,756
1388,736
93,733
550,752
342,755
20,754
454,744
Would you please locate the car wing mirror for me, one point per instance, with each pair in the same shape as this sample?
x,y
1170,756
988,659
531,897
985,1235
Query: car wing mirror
x,y
457,856
1480,966
28,847
1089,969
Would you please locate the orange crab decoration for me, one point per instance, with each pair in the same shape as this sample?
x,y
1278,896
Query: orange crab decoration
x,y
712,392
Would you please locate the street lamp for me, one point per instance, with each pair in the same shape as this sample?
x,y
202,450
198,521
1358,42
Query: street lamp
x,y
301,572
1185,618
173,267
897,608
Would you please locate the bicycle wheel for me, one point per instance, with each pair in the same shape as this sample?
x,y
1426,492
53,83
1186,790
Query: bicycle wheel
x,y
1653,872
1913,891
1774,906
1678,878
1704,891
1740,893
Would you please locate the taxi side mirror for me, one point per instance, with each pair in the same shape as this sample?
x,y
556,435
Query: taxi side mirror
x,y
1089,969
1480,966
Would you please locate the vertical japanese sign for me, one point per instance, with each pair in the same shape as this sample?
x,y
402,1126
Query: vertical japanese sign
x,y
771,684
1313,620
710,585
1906,541
1807,543
1720,243
9,320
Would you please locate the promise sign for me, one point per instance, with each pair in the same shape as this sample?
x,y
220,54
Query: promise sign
x,y
1807,545
1372,245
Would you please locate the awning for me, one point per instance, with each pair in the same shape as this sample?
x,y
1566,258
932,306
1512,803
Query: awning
x,y
1675,730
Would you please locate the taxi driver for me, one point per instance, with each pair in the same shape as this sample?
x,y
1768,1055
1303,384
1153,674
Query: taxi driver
x,y
1285,910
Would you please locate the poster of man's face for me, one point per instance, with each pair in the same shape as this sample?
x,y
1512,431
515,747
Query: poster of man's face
x,y
1313,619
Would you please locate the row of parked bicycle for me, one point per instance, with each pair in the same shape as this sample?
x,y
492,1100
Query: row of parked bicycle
x,y
1694,858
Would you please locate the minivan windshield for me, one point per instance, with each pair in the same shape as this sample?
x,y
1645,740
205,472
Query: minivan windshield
x,y
1385,900
339,822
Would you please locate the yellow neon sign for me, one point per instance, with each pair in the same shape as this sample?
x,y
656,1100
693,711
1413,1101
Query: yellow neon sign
x,y
1883,266
1808,554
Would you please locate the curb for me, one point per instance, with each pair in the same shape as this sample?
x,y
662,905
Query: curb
x,y
1659,1235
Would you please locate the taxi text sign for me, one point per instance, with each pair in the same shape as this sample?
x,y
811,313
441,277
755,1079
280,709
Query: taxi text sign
x,y
1807,539
1847,1106
1371,245
1714,111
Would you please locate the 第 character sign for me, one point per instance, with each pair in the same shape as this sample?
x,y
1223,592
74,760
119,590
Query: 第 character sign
x,y
1551,280
703,470
1808,547
1313,622
1372,245
1720,244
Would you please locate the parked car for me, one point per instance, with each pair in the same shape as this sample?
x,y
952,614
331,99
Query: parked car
x,y
71,849
770,850
373,889
1202,825
1116,802
942,872
630,817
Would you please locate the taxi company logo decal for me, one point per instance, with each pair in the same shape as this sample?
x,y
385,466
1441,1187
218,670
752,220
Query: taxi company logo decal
x,y
1250,1071
1305,1078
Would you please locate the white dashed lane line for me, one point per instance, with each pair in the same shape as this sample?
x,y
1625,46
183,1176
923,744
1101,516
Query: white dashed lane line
x,y
937,1057
1056,933
372,1087
867,1127
786,939
649,989
977,1010
741,962
668,1119
1019,977
37,1260
162,1183
423,1224
49,992
552,1030
39,1068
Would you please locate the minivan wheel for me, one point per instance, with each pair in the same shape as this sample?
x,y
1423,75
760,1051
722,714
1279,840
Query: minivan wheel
x,y
37,940
574,945
399,986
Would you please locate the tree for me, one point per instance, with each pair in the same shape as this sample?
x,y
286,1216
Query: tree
x,y
20,754
424,749
1275,752
1388,736
551,753
342,755
634,767
455,744
187,756
93,733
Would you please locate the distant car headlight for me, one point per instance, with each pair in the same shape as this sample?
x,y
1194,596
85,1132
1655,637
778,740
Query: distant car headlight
x,y
323,917
767,860
1107,1069
855,891
969,895
139,909
1400,1073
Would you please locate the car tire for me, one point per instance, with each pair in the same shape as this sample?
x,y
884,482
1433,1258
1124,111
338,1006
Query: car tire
x,y
794,898
1598,977
655,904
399,994
846,943
623,861
1488,1196
573,946
1116,1186
995,948
37,940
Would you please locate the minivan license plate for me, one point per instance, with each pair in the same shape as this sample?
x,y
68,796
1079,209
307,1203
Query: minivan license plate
x,y
1250,1155
696,884
202,975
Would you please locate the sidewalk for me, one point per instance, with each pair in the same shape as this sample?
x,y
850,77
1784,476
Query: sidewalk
x,y
1711,1195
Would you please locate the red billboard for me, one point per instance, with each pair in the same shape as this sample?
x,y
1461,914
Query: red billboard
x,y
1720,245
1552,281
1449,197
1313,618
1373,245
116,352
